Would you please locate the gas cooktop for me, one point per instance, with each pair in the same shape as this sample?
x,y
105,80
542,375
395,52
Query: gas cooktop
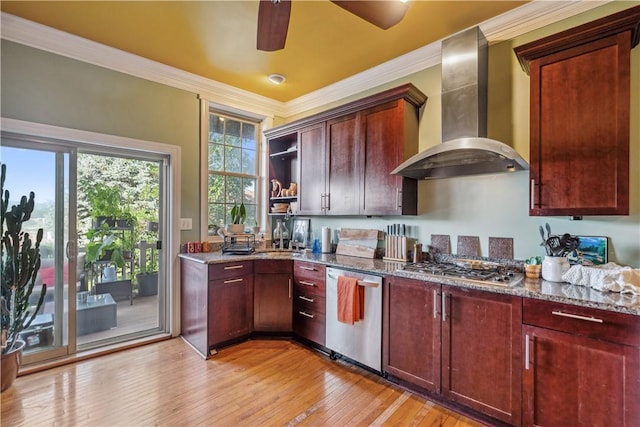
x,y
471,270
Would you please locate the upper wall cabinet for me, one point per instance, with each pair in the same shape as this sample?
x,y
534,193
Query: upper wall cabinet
x,y
579,126
344,156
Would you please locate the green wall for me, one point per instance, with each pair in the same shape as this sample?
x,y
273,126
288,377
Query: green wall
x,y
47,88
42,87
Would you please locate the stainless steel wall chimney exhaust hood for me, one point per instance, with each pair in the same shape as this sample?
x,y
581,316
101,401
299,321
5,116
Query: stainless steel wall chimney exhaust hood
x,y
464,150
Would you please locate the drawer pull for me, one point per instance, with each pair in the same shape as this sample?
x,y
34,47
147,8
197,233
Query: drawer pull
x,y
302,282
234,267
577,316
302,267
310,316
303,298
233,280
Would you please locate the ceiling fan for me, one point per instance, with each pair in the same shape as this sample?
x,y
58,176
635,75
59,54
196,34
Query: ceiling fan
x,y
273,18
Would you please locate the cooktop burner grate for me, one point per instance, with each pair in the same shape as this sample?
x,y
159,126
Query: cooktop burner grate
x,y
479,272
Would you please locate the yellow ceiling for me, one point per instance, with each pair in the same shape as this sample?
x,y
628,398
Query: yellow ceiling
x,y
217,39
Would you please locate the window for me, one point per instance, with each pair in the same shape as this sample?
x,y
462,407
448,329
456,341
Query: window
x,y
232,165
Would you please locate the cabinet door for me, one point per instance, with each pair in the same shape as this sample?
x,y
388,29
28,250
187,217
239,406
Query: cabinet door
x,y
579,381
481,351
411,333
230,308
390,136
344,168
580,130
312,170
273,302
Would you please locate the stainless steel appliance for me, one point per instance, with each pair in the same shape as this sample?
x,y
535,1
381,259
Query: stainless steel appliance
x,y
362,341
469,270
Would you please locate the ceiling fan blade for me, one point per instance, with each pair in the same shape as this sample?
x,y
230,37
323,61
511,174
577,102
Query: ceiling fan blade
x,y
382,14
273,24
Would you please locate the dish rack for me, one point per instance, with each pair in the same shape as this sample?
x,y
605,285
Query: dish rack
x,y
240,244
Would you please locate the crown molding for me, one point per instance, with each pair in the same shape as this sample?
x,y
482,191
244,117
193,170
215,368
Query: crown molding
x,y
529,17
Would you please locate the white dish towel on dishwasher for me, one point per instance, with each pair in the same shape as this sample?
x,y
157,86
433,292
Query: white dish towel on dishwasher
x,y
609,277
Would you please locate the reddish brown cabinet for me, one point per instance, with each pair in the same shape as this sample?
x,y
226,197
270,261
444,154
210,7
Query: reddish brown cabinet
x,y
309,301
581,366
345,155
216,303
464,344
412,332
272,295
580,115
481,336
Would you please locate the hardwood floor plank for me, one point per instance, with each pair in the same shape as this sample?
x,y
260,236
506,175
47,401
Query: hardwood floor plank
x,y
255,383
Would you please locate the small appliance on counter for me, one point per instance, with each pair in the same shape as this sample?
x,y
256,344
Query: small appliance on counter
x,y
239,244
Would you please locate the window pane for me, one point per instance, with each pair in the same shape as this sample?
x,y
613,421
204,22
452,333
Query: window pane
x,y
233,133
248,136
234,190
216,157
249,162
249,191
232,159
216,128
216,188
216,214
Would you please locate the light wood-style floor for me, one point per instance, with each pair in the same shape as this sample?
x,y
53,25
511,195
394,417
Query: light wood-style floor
x,y
256,383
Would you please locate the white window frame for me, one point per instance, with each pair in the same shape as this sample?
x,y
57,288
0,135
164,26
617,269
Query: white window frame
x,y
263,123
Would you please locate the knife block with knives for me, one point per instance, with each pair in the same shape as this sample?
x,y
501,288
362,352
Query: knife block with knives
x,y
397,246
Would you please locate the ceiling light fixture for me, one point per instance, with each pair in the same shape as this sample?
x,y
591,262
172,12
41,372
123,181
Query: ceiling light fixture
x,y
277,79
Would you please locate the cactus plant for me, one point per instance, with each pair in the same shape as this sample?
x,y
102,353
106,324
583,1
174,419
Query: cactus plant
x,y
20,266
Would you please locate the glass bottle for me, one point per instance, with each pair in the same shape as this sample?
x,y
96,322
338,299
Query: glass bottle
x,y
280,234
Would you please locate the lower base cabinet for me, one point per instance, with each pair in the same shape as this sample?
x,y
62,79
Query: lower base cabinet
x,y
272,295
309,301
463,344
581,367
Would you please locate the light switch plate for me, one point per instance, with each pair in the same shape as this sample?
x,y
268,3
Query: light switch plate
x,y
186,224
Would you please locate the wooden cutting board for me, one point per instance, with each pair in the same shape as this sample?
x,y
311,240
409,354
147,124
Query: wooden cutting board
x,y
358,242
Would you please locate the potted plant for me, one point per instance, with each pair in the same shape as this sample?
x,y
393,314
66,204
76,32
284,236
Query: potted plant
x,y
238,216
104,204
148,276
532,267
20,266
103,245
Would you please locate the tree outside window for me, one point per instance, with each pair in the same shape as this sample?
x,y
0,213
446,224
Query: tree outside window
x,y
232,168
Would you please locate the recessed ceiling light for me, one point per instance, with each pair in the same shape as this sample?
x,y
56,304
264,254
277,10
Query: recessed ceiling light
x,y
277,79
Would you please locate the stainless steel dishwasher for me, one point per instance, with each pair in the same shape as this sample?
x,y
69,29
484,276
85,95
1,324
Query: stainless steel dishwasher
x,y
362,341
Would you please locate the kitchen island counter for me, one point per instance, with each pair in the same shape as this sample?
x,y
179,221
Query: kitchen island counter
x,y
529,288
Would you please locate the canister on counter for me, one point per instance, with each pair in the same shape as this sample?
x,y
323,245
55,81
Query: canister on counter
x,y
204,246
194,247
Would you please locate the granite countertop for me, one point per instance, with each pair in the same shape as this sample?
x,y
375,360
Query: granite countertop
x,y
531,288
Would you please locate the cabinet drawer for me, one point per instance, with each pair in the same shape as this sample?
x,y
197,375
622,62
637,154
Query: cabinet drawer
x,y
262,266
309,325
230,269
309,303
309,287
309,271
589,322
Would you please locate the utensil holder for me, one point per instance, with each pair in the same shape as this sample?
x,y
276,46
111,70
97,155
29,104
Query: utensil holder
x,y
553,267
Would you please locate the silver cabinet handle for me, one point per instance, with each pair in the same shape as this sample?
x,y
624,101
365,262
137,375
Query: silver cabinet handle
x,y
234,267
444,306
233,280
526,352
310,316
302,267
533,192
577,316
303,298
289,288
435,304
302,282
398,198
327,202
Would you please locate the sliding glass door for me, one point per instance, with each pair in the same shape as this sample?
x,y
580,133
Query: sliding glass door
x,y
48,171
102,210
